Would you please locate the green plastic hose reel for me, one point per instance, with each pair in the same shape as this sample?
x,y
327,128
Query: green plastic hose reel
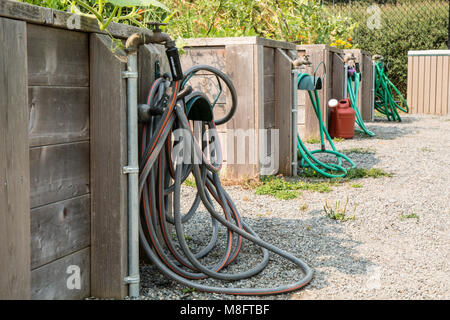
x,y
198,107
308,82
311,82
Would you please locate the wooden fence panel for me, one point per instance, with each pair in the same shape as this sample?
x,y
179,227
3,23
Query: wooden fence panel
x,y
14,163
58,115
53,281
58,172
57,57
59,229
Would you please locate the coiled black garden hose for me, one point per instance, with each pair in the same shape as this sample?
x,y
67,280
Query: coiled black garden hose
x,y
161,176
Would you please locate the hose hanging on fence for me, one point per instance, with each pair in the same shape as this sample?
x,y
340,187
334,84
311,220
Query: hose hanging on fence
x,y
161,176
385,90
353,81
330,170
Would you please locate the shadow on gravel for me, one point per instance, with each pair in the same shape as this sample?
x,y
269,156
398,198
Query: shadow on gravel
x,y
320,241
387,132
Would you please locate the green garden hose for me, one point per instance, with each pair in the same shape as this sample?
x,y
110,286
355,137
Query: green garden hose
x,y
385,102
330,170
353,89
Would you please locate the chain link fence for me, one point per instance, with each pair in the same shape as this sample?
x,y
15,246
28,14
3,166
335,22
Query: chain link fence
x,y
393,27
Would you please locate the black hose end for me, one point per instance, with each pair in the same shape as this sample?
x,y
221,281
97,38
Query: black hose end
x,y
174,63
322,147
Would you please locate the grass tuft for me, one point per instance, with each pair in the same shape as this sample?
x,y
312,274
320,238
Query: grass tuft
x,y
284,189
409,216
358,151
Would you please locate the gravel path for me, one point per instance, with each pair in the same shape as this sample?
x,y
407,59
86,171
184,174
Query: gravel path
x,y
381,254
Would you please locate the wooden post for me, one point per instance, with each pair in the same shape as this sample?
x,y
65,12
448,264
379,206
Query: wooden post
x,y
15,271
240,68
283,111
108,157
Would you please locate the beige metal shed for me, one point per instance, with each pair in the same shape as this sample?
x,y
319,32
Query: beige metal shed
x,y
429,82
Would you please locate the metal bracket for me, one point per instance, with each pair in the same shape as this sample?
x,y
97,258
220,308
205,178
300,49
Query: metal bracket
x,y
129,74
128,170
131,279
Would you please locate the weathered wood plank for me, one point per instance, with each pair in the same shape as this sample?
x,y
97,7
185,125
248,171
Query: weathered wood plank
x,y
269,61
241,70
57,280
283,111
58,172
212,56
269,88
366,87
59,229
58,115
14,163
25,12
57,57
108,157
149,56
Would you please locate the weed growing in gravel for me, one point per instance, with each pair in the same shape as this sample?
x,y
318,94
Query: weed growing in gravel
x,y
352,173
190,182
356,185
312,140
283,189
338,212
359,151
409,216
358,173
304,207
426,149
188,290
338,139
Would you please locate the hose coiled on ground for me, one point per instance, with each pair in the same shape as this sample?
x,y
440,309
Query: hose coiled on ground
x,y
161,174
330,170
385,90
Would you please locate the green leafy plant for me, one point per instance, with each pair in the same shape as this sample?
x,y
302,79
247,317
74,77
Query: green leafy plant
x,y
105,11
300,21
312,140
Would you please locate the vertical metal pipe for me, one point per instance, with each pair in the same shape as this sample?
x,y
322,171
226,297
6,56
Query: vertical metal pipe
x,y
345,79
133,175
294,122
373,89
